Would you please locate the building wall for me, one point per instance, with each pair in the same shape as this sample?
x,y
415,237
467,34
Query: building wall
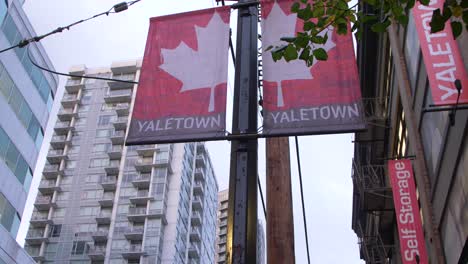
x,y
103,202
444,146
26,97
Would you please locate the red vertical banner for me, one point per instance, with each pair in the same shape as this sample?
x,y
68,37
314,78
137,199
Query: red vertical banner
x,y
322,98
182,88
412,243
441,56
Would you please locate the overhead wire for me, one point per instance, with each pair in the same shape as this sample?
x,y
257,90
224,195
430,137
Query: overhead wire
x,y
117,8
75,75
302,198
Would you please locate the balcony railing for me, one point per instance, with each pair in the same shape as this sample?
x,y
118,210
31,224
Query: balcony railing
x,y
137,211
71,82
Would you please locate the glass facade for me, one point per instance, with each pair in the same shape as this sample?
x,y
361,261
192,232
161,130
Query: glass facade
x,y
9,219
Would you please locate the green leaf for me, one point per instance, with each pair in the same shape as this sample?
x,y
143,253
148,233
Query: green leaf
x,y
290,53
410,4
342,29
304,1
424,2
371,2
317,40
318,11
301,41
380,27
288,39
308,26
277,55
305,13
464,4
457,29
295,7
465,16
437,22
403,19
320,54
305,54
343,5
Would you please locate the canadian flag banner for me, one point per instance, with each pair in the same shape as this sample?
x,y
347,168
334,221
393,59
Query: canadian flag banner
x,y
442,57
181,94
299,100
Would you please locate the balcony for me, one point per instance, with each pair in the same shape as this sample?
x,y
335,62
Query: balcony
x,y
122,109
200,161
197,203
142,180
122,67
100,235
195,234
56,156
194,250
134,233
118,137
163,163
44,203
70,100
136,214
113,85
198,187
107,200
115,152
119,96
73,85
51,171
144,165
199,174
97,253
141,197
120,123
36,237
47,187
66,114
134,251
40,220
196,218
103,218
157,213
146,150
62,128
108,183
113,167
60,141
35,253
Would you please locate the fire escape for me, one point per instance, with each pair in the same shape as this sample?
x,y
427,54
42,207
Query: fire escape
x,y
372,198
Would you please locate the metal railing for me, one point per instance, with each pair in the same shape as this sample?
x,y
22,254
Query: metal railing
x,y
137,211
73,82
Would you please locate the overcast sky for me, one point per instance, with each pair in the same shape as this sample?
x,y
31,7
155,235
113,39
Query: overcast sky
x,y
326,160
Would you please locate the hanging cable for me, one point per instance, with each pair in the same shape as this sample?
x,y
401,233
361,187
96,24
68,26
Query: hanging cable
x,y
302,198
261,196
76,76
117,8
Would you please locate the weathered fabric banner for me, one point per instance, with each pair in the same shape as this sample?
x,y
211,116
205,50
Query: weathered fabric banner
x,y
441,56
323,98
409,224
182,88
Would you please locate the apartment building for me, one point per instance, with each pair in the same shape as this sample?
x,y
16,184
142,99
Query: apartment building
x,y
221,231
26,98
404,124
103,202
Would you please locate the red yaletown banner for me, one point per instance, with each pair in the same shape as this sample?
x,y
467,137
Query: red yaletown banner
x,y
441,56
323,98
410,231
182,88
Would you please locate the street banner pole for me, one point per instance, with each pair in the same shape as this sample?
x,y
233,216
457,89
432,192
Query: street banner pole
x,y
242,212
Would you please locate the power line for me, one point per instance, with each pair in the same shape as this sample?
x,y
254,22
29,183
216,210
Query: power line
x,y
302,198
117,8
74,75
261,196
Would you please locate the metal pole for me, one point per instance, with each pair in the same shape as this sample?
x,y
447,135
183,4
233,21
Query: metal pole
x,y
242,209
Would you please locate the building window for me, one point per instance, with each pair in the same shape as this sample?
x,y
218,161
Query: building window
x,y
14,160
100,162
9,219
104,120
79,248
55,230
104,147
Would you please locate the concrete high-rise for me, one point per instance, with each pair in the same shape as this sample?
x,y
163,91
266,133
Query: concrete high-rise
x,y
26,97
221,232
102,202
